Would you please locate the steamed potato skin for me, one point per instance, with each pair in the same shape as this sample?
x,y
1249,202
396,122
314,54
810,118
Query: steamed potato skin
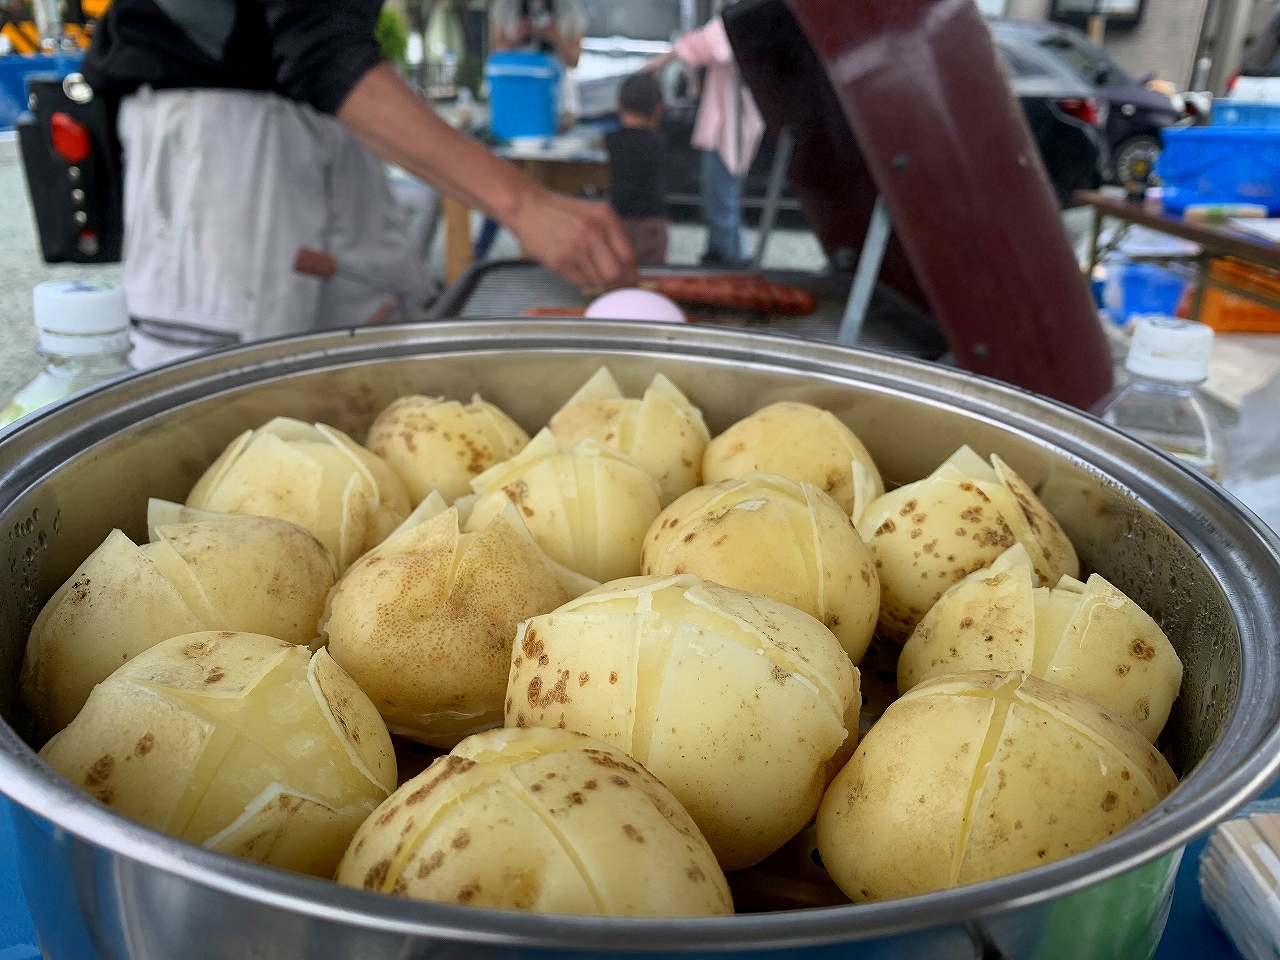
x,y
979,775
776,538
794,440
736,702
437,444
252,574
427,635
311,475
539,820
236,741
1100,644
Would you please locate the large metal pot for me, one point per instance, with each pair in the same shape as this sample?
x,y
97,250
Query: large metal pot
x,y
98,884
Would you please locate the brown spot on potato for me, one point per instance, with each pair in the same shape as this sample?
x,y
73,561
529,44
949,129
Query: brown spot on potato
x,y
1141,650
962,532
583,677
216,674
575,799
688,537
1124,774
556,694
602,759
887,527
1122,669
460,840
866,576
377,874
973,514
919,518
907,507
468,893
613,676
620,781
144,745
530,645
966,623
1143,708
916,533
100,772
430,865
450,766
632,833
694,873
590,785
1109,801
778,675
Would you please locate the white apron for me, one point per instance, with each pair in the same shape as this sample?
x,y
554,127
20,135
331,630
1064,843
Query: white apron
x,y
221,189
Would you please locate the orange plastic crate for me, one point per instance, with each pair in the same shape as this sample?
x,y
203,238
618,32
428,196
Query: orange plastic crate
x,y
1230,313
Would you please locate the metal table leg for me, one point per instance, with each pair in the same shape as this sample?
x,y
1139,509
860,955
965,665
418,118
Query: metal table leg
x,y
864,280
777,174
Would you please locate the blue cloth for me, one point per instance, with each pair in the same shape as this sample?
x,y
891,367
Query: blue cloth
x,y
720,209
484,242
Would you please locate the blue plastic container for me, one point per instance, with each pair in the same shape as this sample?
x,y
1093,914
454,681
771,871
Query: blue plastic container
x,y
1220,164
1134,289
523,94
15,69
1245,113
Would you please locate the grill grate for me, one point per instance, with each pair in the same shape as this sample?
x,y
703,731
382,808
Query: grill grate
x,y
504,289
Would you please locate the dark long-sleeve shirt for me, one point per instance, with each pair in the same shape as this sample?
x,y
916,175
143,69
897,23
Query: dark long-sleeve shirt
x,y
312,51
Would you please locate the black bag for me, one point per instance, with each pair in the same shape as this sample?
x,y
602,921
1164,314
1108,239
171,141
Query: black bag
x,y
71,158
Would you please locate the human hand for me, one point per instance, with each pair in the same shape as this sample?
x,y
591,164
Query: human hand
x,y
579,239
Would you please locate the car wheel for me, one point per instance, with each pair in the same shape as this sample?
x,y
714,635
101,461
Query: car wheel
x,y
1134,151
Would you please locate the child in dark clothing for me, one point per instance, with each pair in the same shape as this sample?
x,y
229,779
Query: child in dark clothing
x,y
637,158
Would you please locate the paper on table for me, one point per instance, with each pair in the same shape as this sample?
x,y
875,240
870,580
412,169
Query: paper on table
x,y
1240,365
1266,229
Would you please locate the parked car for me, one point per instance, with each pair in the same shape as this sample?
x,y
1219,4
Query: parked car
x,y
621,38
1133,115
1066,120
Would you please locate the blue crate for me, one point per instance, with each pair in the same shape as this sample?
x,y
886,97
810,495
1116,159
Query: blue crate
x,y
1221,164
1245,113
523,94
14,70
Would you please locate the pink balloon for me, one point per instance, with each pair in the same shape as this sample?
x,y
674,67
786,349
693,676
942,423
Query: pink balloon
x,y
635,304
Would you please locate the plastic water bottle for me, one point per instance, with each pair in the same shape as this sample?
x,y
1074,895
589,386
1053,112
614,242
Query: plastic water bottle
x,y
84,337
1161,404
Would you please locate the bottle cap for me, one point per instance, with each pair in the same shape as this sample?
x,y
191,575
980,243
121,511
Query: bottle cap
x,y
81,316
1165,348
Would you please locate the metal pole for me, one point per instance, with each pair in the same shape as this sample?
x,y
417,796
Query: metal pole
x,y
778,173
864,279
742,176
1097,24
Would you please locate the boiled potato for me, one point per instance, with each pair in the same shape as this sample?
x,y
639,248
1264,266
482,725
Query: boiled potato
x,y
256,574
1089,638
796,441
542,820
978,775
314,476
663,432
434,444
241,743
589,508
424,622
927,535
777,538
736,702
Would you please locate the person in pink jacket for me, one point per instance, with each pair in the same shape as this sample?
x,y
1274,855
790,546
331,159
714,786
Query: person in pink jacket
x,y
727,146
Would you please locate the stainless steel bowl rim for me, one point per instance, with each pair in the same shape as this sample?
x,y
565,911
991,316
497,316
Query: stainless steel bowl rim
x,y
1228,777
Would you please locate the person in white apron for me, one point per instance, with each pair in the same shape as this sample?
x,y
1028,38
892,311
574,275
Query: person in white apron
x,y
250,128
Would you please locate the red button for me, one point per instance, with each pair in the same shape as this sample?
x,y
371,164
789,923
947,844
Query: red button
x,y
70,139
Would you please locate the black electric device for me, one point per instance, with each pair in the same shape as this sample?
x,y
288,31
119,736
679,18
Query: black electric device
x,y
72,163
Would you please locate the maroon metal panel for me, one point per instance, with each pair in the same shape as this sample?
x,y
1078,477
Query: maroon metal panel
x,y
944,140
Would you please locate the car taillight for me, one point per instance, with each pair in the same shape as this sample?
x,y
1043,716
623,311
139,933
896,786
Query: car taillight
x,y
1084,110
1235,78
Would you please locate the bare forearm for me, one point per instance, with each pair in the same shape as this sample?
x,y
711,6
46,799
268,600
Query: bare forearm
x,y
398,125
